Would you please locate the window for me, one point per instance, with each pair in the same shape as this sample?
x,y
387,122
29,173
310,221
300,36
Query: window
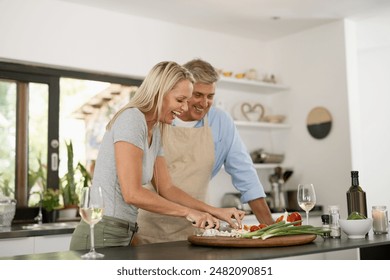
x,y
43,109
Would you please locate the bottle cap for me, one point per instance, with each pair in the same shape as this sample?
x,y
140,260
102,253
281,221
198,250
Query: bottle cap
x,y
325,218
334,209
354,173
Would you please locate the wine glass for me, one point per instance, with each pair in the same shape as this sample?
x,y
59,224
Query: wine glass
x,y
306,198
91,211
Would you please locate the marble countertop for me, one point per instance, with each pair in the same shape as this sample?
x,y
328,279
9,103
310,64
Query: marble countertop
x,y
28,230
183,250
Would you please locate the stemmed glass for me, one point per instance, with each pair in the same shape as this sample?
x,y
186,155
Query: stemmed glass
x,y
91,211
306,198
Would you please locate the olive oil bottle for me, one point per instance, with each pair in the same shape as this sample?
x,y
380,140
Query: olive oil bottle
x,y
356,197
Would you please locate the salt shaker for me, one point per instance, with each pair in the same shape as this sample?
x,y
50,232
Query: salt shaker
x,y
334,217
380,220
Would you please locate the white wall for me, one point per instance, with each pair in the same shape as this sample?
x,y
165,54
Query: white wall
x,y
57,33
370,95
313,64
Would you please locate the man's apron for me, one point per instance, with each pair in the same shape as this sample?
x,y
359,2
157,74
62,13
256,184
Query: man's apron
x,y
189,153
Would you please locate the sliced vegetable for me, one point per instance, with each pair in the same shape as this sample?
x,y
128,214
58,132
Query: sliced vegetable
x,y
293,217
254,228
279,219
282,229
282,217
263,226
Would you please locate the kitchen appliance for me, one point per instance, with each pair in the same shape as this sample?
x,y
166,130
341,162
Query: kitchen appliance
x,y
234,200
260,156
278,193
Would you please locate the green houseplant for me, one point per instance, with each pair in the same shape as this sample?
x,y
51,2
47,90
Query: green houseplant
x,y
49,198
68,181
76,178
5,185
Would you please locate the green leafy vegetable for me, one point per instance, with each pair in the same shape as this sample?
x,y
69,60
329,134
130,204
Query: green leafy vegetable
x,y
282,229
356,216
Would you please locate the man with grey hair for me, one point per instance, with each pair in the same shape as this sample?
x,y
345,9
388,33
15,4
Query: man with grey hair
x,y
200,141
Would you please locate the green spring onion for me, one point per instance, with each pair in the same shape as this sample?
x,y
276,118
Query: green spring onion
x,y
282,229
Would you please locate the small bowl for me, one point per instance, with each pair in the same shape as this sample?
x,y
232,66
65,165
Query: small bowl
x,y
356,228
274,118
227,74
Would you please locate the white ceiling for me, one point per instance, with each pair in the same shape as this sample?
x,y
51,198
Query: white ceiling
x,y
254,19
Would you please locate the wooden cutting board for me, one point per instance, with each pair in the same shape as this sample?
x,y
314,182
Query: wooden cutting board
x,y
278,241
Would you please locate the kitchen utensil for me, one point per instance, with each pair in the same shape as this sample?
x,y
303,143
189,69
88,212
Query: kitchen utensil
x,y
287,174
234,200
278,194
292,203
260,156
278,241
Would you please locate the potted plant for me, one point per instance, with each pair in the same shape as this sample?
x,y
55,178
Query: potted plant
x,y
51,203
68,184
5,185
75,179
49,200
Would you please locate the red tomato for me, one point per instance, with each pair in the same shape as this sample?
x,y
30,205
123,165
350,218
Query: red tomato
x,y
254,228
279,219
262,226
293,217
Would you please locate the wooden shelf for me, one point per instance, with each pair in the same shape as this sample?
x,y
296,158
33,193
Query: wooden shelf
x,y
250,85
262,125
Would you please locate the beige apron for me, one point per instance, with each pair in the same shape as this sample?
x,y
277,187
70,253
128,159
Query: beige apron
x,y
189,153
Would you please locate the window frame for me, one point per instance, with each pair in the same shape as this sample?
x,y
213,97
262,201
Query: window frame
x,y
51,77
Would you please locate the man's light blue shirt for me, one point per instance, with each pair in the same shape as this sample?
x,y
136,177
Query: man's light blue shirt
x,y
231,152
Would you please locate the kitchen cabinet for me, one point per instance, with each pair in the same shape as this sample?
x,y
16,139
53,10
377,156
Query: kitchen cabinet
x,y
34,245
52,243
16,246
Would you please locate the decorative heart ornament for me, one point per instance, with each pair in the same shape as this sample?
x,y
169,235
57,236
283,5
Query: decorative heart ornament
x,y
253,112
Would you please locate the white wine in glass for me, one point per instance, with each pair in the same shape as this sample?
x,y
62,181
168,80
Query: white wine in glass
x,y
91,211
306,198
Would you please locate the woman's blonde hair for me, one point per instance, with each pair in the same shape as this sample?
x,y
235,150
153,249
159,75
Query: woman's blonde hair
x,y
163,77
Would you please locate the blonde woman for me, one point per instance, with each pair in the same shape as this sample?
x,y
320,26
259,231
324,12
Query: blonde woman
x,y
131,156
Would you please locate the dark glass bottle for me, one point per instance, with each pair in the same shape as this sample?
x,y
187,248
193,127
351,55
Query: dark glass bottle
x,y
356,197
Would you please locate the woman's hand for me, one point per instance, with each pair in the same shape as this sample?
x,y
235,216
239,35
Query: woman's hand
x,y
202,219
228,214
